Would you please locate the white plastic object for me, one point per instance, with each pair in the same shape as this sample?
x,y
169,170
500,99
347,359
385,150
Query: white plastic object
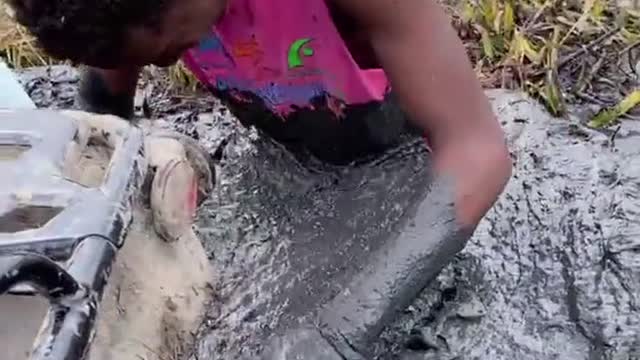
x,y
12,94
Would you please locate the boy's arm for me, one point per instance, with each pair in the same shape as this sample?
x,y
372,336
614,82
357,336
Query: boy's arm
x,y
108,91
430,72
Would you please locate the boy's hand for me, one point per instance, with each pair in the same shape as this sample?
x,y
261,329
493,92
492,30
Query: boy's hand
x,y
479,167
434,80
108,91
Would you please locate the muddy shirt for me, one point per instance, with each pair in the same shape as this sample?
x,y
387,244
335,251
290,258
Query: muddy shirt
x,y
300,72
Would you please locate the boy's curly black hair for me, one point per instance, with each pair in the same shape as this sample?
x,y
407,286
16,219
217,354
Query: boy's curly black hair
x,y
86,31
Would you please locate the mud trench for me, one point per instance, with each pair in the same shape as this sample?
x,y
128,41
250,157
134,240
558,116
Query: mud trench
x,y
552,272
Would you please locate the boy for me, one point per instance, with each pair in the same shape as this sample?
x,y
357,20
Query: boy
x,y
344,79
315,74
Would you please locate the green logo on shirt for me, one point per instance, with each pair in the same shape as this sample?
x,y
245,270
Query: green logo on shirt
x,y
294,58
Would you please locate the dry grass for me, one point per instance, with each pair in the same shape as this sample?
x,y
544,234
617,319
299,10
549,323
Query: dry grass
x,y
17,48
560,51
183,79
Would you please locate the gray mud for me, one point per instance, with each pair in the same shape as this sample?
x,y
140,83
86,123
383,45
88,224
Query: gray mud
x,y
551,273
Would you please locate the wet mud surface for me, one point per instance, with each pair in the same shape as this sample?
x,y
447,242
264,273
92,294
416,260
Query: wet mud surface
x,y
551,273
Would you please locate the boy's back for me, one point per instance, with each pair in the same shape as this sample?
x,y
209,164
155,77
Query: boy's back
x,y
291,74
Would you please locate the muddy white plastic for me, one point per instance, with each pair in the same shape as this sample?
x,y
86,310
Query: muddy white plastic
x,y
12,94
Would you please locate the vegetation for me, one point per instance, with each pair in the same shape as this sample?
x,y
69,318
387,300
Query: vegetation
x,y
562,52
17,48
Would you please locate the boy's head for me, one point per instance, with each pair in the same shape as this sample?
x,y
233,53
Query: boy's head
x,y
113,33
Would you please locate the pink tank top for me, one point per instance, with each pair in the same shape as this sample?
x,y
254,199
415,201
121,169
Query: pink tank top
x,y
287,52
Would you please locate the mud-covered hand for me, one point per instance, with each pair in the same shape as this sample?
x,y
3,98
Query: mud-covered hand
x,y
180,178
108,91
